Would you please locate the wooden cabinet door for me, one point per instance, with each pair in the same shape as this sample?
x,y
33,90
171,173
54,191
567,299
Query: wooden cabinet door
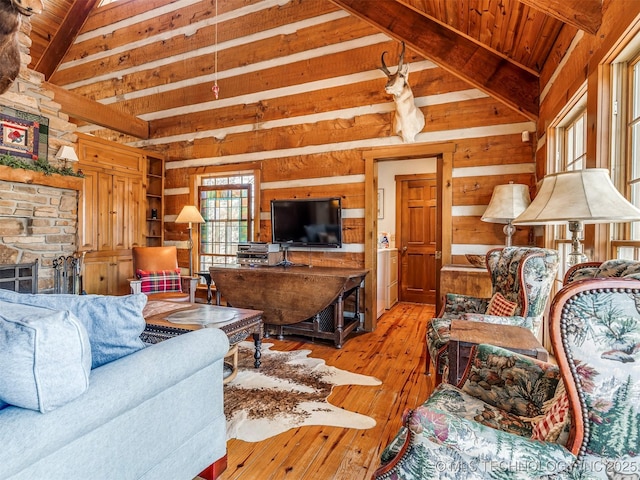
x,y
105,211
123,271
136,224
120,211
107,274
88,212
95,276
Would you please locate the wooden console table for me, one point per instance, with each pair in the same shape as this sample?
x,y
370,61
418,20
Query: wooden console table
x,y
292,298
465,334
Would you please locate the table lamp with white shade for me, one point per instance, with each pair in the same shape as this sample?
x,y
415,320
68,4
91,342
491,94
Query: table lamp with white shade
x,y
190,214
578,197
67,154
507,202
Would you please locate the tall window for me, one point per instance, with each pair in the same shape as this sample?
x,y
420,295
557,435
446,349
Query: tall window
x,y
633,132
570,147
226,204
626,154
574,143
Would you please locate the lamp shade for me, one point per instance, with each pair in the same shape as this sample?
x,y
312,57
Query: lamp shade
x,y
67,153
507,202
587,196
189,214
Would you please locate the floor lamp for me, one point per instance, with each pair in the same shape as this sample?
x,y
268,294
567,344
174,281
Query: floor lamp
x,y
507,202
578,197
190,214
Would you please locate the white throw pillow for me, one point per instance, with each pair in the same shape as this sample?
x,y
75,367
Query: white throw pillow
x,y
45,357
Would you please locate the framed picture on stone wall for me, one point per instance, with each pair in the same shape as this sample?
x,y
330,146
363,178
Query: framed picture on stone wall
x,y
22,135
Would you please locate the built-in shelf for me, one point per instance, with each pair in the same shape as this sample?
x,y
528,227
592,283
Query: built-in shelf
x,y
155,200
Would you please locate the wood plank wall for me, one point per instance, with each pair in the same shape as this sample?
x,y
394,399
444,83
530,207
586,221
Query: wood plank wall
x,y
301,98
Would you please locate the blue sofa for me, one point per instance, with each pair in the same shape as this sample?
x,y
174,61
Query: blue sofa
x,y
101,404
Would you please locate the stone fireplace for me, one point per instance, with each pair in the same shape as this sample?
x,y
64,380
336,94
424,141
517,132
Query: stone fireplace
x,y
38,213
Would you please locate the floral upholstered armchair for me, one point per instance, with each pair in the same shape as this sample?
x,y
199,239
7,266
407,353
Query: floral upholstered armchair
x,y
514,417
606,269
521,280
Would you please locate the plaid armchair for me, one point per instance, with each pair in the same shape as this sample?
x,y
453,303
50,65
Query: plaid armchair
x,y
158,275
513,417
521,277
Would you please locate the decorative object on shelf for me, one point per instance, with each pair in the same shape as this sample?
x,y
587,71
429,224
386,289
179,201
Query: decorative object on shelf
x,y
67,154
507,202
190,214
154,213
578,197
477,261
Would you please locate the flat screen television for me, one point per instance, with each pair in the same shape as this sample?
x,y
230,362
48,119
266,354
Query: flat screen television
x,y
308,222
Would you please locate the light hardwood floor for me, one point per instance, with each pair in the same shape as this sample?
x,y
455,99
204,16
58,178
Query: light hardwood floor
x,y
394,353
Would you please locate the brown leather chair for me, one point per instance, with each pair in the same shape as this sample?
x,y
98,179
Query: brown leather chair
x,y
157,259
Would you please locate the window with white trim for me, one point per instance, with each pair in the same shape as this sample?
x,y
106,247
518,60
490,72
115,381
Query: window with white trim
x,y
625,151
569,146
226,203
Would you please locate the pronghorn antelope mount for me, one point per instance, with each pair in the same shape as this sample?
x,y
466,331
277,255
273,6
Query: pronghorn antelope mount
x,y
10,19
409,119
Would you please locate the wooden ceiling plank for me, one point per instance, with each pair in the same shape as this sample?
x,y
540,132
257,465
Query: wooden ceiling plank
x,y
583,14
64,37
153,47
90,111
479,66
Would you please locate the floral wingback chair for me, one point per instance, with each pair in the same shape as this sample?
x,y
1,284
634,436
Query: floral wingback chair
x,y
513,417
521,277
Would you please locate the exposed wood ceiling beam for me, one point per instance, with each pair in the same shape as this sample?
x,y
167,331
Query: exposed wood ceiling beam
x,y
475,64
91,111
583,14
64,37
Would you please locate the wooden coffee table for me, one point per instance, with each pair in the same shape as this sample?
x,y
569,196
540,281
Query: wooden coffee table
x,y
465,334
168,319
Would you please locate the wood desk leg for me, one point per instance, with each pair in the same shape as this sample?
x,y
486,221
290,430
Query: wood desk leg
x,y
357,312
257,341
338,321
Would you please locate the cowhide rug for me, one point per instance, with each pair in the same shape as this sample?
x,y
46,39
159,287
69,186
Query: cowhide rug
x,y
289,390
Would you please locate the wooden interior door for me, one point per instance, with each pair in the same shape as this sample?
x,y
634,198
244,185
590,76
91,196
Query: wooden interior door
x,y
418,226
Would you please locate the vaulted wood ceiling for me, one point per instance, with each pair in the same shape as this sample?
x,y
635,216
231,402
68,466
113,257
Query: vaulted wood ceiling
x,y
497,46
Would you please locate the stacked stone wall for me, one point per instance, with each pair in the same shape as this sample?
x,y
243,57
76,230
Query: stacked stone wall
x,y
37,222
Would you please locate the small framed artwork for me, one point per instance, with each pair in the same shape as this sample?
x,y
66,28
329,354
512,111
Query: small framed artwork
x,y
19,137
381,203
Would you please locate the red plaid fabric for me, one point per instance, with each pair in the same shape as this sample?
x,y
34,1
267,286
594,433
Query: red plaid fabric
x,y
500,306
555,417
160,281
